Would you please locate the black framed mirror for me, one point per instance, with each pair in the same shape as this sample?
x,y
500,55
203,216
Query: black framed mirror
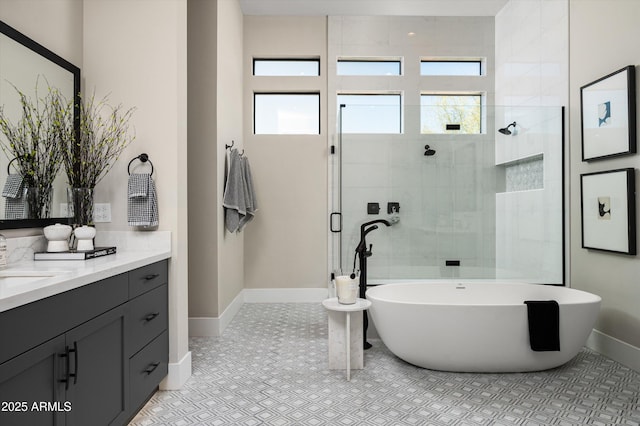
x,y
23,62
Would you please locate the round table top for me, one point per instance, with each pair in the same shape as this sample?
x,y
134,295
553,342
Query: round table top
x,y
332,304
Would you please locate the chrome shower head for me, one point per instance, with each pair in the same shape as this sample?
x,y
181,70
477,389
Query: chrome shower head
x,y
506,131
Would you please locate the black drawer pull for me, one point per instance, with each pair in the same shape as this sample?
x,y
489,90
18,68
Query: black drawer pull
x,y
151,277
151,368
151,316
75,357
67,365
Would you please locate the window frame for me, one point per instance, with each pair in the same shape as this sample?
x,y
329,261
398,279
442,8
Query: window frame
x,y
363,60
478,61
481,104
316,60
399,95
316,93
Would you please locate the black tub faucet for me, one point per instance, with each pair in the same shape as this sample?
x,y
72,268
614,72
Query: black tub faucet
x,y
363,253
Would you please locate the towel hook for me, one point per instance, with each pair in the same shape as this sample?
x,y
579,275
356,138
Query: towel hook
x,y
143,158
9,165
231,146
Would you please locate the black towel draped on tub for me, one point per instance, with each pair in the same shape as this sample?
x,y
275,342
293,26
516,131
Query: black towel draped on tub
x,y
544,325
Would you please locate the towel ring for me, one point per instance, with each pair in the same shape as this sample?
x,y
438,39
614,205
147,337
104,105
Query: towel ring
x,y
143,158
9,165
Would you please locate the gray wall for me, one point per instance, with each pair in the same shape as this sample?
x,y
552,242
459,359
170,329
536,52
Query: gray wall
x,y
603,39
216,274
144,64
286,243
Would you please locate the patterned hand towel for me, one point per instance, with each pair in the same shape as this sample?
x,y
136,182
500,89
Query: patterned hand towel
x,y
13,191
234,200
142,200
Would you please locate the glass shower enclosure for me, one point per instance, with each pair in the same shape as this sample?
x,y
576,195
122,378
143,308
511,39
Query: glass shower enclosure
x,y
469,198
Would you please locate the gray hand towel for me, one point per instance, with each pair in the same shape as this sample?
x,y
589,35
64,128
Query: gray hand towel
x,y
249,194
142,200
234,200
13,191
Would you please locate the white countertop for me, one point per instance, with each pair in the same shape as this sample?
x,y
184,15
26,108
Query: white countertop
x,y
51,277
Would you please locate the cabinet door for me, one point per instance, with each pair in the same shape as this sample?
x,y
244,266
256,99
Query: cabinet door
x,y
31,391
99,390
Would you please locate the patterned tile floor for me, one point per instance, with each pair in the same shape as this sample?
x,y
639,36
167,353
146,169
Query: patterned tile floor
x,y
270,368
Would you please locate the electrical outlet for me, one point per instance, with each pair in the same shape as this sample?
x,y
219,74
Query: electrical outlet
x,y
102,212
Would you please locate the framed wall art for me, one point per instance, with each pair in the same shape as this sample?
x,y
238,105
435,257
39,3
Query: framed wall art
x,y
608,211
608,115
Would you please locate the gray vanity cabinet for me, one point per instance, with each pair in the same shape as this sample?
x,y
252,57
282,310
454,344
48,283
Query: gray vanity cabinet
x,y
88,356
148,331
30,378
98,393
78,378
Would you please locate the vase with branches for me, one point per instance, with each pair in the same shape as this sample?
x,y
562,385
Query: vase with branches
x,y
92,151
35,141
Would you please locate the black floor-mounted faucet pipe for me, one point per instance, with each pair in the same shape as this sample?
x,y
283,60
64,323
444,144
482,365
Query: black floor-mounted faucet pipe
x,y
363,253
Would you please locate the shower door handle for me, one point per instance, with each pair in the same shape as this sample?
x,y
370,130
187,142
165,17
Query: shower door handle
x,y
331,224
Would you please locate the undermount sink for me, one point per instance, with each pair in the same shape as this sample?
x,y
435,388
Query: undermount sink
x,y
20,280
16,273
10,278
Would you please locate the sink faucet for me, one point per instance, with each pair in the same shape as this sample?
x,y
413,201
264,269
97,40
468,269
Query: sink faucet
x,y
363,253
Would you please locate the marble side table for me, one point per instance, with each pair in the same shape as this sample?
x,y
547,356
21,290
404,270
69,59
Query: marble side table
x,y
345,334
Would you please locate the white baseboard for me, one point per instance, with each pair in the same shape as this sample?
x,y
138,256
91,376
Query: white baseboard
x,y
615,349
179,373
214,326
285,295
231,311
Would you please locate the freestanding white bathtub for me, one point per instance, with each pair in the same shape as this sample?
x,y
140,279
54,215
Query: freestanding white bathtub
x,y
477,327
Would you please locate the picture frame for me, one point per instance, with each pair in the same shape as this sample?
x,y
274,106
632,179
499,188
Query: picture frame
x,y
608,115
608,211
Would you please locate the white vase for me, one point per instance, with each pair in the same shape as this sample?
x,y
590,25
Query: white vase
x,y
84,237
58,237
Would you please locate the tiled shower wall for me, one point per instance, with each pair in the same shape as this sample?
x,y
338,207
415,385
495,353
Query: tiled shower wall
x,y
531,85
446,200
532,53
458,204
446,205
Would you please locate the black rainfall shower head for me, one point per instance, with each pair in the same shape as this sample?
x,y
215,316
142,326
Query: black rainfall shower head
x,y
506,131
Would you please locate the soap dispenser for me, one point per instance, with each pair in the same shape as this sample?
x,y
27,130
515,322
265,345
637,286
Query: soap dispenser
x,y
3,252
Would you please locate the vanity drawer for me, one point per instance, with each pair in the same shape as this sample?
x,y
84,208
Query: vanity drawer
x,y
147,368
147,278
148,316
